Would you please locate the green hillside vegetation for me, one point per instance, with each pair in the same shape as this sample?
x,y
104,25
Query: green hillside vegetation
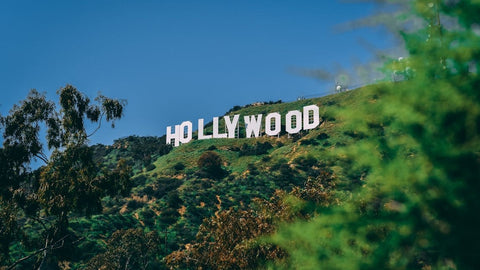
x,y
172,195
389,180
177,198
330,134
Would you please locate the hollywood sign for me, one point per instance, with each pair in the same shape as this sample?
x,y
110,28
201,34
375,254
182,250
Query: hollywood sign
x,y
295,121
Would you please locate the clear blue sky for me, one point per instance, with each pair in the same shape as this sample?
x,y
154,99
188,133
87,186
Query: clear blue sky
x,y
176,60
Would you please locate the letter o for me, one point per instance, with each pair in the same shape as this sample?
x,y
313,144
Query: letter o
x,y
189,126
298,121
277,124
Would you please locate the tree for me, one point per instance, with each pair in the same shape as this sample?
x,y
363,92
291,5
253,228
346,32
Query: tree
x,y
231,239
69,182
211,163
170,214
227,241
128,249
417,207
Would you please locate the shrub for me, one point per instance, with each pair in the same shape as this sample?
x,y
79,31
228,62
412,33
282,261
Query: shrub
x,y
179,166
211,163
148,217
139,180
305,162
308,142
257,149
252,169
134,204
212,147
150,167
322,136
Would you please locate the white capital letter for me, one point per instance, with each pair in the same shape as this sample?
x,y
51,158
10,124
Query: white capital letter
x,y
231,125
306,117
252,125
201,136
182,138
298,122
276,124
215,129
174,136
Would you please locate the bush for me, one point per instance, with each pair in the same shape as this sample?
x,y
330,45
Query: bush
x,y
212,147
164,185
308,142
252,169
179,166
305,162
134,204
148,190
150,167
139,180
211,163
322,136
255,150
148,217
266,158
417,205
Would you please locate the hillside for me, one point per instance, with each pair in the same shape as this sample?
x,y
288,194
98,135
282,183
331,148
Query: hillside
x,y
172,195
388,180
239,203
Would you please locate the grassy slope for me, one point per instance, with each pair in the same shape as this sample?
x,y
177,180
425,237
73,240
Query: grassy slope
x,y
240,185
333,127
200,196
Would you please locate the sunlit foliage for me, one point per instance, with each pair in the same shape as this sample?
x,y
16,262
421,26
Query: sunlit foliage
x,y
417,206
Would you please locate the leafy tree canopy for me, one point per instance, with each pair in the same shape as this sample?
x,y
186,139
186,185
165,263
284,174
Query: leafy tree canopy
x,y
69,182
417,207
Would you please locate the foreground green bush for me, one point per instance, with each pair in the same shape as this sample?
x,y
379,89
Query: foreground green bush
x,y
417,207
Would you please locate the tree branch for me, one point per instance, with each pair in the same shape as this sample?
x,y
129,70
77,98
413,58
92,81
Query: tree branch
x,y
128,262
48,247
41,222
42,156
98,127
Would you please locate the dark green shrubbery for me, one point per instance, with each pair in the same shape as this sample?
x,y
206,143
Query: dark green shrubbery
x,y
150,167
255,150
210,164
415,156
179,166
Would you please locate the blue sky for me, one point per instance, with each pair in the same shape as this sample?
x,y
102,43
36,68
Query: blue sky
x,y
178,60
